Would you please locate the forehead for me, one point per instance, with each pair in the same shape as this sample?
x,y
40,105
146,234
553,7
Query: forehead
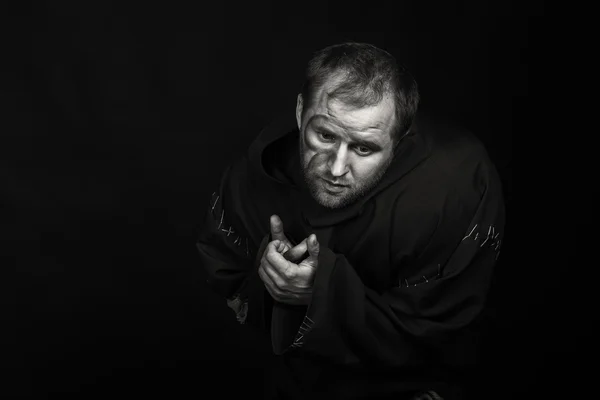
x,y
377,120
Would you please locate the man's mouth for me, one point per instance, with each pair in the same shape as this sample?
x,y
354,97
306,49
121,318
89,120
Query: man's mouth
x,y
333,187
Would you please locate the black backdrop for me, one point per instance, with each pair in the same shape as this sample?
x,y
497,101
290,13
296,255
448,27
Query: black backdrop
x,y
118,120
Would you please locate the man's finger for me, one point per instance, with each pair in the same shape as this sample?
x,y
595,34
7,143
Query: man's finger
x,y
269,285
279,246
313,251
282,248
297,253
272,253
277,228
274,277
276,259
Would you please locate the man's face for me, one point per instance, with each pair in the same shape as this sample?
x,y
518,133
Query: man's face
x,y
344,151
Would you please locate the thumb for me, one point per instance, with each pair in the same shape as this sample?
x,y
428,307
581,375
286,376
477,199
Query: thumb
x,y
297,252
313,250
277,228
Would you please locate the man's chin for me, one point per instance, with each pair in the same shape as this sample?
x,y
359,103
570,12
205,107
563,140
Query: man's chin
x,y
330,201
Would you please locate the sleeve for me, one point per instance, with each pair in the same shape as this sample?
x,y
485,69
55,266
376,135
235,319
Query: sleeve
x,y
225,248
349,323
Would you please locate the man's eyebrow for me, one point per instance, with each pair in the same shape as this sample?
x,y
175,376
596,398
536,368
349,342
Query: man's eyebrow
x,y
368,143
362,141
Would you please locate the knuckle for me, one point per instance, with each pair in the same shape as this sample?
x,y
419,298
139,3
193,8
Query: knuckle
x,y
270,258
288,273
281,285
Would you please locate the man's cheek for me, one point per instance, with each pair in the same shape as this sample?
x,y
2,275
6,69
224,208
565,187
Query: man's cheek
x,y
312,145
317,161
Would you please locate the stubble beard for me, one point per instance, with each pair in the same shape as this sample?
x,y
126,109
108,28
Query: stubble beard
x,y
352,194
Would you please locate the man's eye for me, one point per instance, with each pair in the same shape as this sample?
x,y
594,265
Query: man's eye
x,y
363,150
326,136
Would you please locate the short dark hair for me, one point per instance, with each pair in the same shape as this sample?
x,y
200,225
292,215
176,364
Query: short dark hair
x,y
367,74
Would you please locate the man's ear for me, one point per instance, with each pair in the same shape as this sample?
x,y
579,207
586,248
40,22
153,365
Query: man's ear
x,y
299,109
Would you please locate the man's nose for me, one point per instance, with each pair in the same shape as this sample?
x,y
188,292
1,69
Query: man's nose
x,y
338,161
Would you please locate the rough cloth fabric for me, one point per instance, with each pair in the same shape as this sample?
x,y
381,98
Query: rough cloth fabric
x,y
403,273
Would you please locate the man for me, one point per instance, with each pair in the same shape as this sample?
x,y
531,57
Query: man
x,y
363,238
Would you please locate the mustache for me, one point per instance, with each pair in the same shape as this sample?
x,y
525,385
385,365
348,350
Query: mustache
x,y
317,173
324,174
334,181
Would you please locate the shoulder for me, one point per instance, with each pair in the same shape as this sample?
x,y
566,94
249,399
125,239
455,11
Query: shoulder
x,y
452,147
452,181
458,159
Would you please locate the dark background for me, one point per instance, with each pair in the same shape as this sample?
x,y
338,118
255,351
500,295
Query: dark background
x,y
118,119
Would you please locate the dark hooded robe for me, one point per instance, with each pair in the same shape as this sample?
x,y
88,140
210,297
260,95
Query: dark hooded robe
x,y
402,273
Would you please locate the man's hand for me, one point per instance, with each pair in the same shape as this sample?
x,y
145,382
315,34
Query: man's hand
x,y
286,281
290,252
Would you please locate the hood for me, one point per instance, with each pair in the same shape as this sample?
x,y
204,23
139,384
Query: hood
x,y
274,154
